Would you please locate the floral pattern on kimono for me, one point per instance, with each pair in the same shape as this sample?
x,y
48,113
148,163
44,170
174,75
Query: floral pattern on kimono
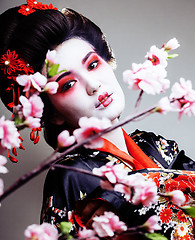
x,y
66,188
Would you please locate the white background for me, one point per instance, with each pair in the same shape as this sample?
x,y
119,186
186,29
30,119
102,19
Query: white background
x,y
131,27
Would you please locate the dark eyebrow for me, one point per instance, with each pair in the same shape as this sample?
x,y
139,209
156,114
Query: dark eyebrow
x,y
86,57
62,75
83,61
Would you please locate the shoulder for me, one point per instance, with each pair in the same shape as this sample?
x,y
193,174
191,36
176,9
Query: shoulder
x,y
65,173
156,146
155,140
165,151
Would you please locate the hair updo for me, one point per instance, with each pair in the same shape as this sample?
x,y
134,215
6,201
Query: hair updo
x,y
33,35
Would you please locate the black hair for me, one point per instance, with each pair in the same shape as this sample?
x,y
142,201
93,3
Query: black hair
x,y
33,35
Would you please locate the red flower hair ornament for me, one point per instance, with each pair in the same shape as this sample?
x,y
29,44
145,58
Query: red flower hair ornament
x,y
32,6
12,66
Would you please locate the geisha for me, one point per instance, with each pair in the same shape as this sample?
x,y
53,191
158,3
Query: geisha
x,y
88,88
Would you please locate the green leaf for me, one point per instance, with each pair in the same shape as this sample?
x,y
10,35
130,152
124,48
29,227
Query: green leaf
x,y
53,70
189,210
62,71
18,120
155,236
69,237
65,227
173,55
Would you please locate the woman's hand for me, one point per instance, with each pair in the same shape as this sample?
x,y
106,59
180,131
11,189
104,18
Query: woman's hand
x,y
87,209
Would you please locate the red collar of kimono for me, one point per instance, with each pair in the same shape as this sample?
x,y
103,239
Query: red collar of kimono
x,y
136,157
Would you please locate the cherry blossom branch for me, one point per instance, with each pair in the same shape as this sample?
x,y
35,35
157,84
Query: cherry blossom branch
x,y
27,177
48,161
78,170
52,159
139,100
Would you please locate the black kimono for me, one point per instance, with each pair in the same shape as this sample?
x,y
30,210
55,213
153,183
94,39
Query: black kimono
x,y
64,189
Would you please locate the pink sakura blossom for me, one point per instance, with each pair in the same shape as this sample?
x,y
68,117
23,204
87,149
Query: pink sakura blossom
x,y
107,224
184,97
87,234
172,44
44,231
132,77
134,179
128,184
113,172
9,136
157,56
89,127
164,105
177,197
137,189
36,80
152,224
183,90
184,107
32,122
51,87
32,107
125,189
52,57
65,140
3,161
1,186
147,77
145,193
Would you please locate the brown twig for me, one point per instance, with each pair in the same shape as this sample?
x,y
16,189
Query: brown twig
x,y
138,100
48,162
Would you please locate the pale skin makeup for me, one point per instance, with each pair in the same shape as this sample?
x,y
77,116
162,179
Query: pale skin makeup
x,y
88,88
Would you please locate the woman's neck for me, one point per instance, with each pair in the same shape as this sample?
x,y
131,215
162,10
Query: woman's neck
x,y
116,137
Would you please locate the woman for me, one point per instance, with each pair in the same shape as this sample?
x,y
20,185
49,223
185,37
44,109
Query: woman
x,y
89,88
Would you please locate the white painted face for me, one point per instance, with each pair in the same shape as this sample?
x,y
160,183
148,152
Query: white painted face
x,y
88,88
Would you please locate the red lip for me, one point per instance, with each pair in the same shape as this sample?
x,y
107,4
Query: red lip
x,y
104,99
103,96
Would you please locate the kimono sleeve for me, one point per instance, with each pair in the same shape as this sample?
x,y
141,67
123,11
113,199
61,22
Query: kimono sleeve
x,y
63,189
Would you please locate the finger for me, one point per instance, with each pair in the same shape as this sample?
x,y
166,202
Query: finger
x,y
105,206
89,209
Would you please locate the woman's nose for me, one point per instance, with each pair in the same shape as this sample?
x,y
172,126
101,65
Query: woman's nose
x,y
92,86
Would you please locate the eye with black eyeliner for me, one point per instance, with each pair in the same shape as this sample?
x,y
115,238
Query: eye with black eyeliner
x,y
69,84
93,65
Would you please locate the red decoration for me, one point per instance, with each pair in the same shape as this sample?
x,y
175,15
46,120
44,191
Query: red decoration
x,y
12,66
35,136
9,62
26,10
166,215
181,216
50,6
33,5
13,159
